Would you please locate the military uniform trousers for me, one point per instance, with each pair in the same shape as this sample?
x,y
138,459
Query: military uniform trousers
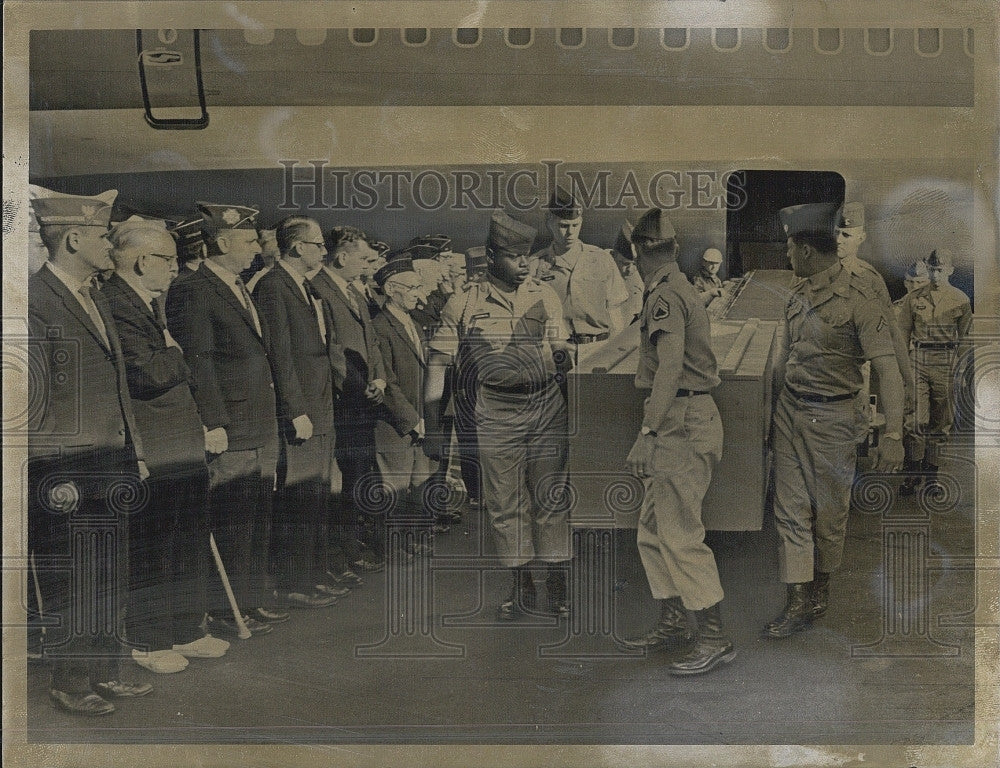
x,y
523,450
300,529
670,535
934,409
241,489
81,560
814,462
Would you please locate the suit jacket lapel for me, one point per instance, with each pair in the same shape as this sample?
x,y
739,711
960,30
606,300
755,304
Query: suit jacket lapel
x,y
121,285
75,307
399,329
292,285
227,294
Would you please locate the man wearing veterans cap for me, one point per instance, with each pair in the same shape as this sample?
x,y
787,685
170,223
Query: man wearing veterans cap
x,y
213,318
365,385
304,385
675,453
85,458
584,277
433,262
707,281
851,235
168,539
834,322
400,427
511,327
934,321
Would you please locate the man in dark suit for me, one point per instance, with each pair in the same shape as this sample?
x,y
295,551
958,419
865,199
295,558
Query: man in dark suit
x,y
297,326
168,539
400,426
84,456
354,412
213,318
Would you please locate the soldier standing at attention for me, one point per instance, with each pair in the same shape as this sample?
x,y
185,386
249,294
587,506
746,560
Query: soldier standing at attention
x,y
584,277
834,322
512,327
934,320
677,449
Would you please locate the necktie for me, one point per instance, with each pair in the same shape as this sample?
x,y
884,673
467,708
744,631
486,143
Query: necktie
x,y
411,328
90,305
159,312
353,301
317,305
248,304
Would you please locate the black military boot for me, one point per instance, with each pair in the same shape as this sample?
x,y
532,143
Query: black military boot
x,y
930,472
820,598
796,615
556,589
714,646
671,632
522,598
912,480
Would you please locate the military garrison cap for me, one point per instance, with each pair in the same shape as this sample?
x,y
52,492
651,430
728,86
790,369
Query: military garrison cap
x,y
439,243
419,251
810,218
623,243
396,263
940,258
852,215
655,226
563,205
475,259
508,236
54,208
188,236
219,217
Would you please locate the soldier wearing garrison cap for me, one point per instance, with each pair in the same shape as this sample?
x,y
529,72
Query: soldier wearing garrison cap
x,y
851,235
707,281
623,253
675,453
584,277
82,442
508,333
934,321
227,348
833,323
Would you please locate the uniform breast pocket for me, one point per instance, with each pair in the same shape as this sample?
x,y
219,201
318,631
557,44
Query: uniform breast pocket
x,y
492,332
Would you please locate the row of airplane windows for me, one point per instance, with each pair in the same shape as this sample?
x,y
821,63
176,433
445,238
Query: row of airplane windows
x,y
927,42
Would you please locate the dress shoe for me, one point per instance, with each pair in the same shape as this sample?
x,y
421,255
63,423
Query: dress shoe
x,y
440,527
81,703
712,648
256,627
312,600
523,597
557,592
227,627
450,516
796,615
206,647
346,576
116,689
160,662
332,590
670,633
370,563
269,615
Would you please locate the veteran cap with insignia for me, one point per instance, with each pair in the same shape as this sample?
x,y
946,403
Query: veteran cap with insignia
x,y
654,227
396,263
188,236
55,208
508,236
563,205
940,258
623,243
419,251
475,259
380,247
809,218
852,216
218,217
439,243
712,256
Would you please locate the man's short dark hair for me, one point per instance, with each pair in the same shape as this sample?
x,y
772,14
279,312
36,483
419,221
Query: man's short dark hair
x,y
822,242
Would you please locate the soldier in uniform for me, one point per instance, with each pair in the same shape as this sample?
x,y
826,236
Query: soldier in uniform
x,y
623,253
834,322
84,451
934,320
584,277
707,281
675,453
512,328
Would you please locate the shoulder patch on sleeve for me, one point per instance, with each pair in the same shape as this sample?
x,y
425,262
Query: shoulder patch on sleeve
x,y
661,309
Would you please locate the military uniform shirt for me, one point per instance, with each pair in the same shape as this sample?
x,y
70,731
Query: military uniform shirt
x,y
871,276
834,322
703,284
673,305
936,315
587,282
507,338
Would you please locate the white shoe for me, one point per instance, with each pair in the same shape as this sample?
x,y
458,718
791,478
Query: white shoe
x,y
206,647
161,662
